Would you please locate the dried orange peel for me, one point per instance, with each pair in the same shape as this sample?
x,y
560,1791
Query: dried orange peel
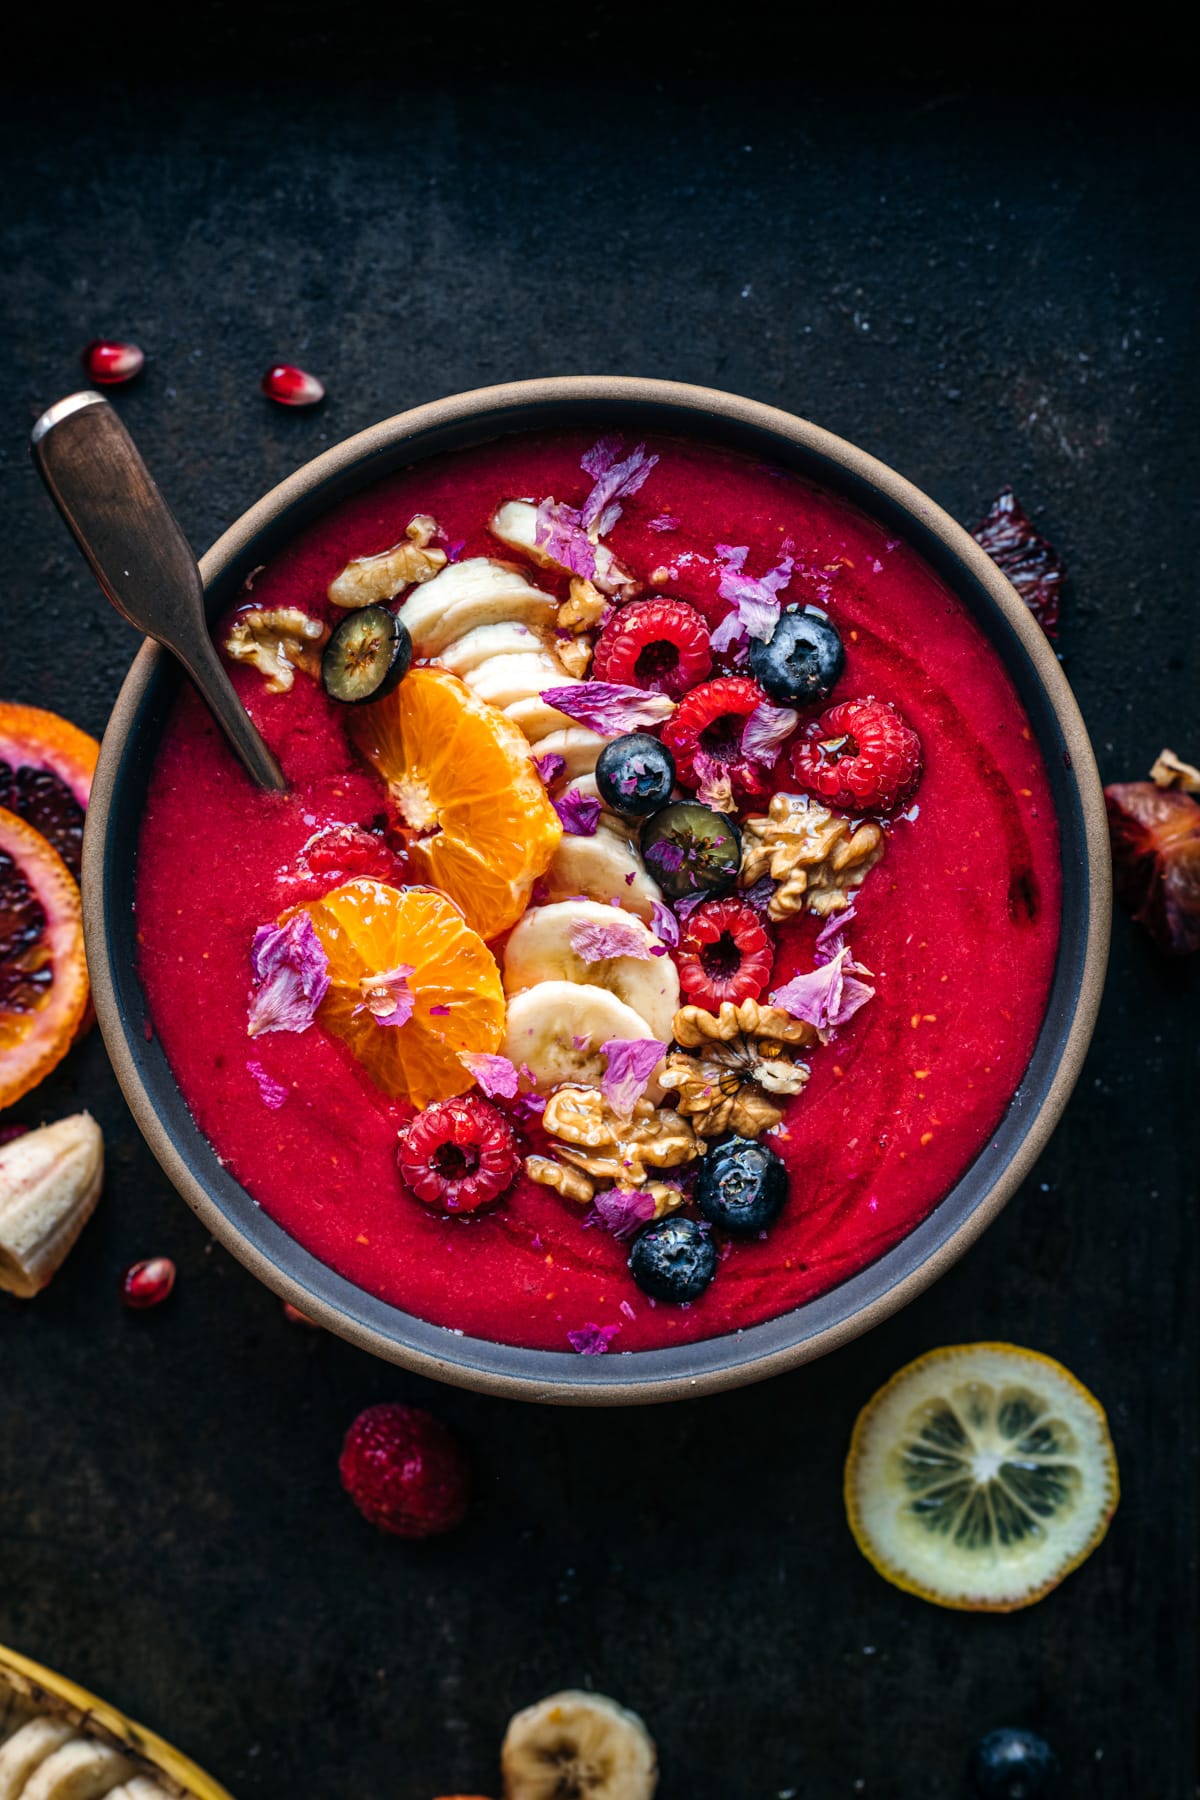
x,y
43,973
477,818
980,1476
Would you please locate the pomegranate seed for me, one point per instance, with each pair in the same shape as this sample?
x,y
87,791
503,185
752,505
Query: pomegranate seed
x,y
110,363
291,386
148,1283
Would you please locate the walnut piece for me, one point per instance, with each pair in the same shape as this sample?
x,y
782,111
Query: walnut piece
x,y
739,1058
584,608
615,1150
1170,771
370,578
816,856
278,641
575,655
572,1184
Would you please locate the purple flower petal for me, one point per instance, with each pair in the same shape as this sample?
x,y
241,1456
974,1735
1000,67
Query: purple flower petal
x,y
599,943
830,939
550,767
291,970
580,813
666,856
627,1310
455,550
559,535
760,894
608,707
666,925
273,1093
756,608
732,555
686,905
827,996
387,996
715,787
592,1340
614,482
439,1012
623,1212
496,1075
630,1064
664,522
765,731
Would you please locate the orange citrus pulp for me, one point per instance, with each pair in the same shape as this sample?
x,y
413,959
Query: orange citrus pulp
x,y
43,974
480,826
369,929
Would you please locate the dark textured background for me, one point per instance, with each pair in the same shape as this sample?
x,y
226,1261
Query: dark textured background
x,y
978,286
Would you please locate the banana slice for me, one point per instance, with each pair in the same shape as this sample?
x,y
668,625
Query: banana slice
x,y
537,719
50,1180
509,638
575,1746
539,949
587,786
515,524
577,746
140,1788
504,679
467,595
26,1751
604,867
79,1770
557,1029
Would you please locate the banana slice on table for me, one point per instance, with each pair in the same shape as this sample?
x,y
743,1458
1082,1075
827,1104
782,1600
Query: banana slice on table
x,y
576,1746
515,524
577,746
539,949
468,595
78,1770
25,1752
603,867
557,1028
504,679
508,638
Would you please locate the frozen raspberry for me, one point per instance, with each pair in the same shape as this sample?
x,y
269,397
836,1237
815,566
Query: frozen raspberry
x,y
712,718
404,1471
458,1154
860,756
345,850
657,644
725,953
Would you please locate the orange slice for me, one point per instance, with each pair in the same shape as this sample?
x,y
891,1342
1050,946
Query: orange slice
x,y
480,826
46,769
43,974
369,929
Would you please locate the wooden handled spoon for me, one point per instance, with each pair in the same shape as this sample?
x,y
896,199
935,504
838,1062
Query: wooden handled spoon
x,y
139,555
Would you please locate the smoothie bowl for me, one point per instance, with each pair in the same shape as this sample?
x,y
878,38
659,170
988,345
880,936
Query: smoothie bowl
x,y
686,920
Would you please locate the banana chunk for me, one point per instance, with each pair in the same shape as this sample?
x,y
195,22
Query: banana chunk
x,y
467,595
536,718
557,1028
508,638
604,867
505,679
27,1750
576,1746
515,524
140,1788
577,746
540,949
49,1184
79,1770
587,786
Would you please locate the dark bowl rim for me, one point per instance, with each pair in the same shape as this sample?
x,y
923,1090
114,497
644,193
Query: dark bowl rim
x,y
712,1364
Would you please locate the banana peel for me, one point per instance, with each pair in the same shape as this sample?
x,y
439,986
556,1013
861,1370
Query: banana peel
x,y
29,1691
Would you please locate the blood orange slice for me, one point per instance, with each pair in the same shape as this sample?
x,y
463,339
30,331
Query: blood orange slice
x,y
43,974
46,769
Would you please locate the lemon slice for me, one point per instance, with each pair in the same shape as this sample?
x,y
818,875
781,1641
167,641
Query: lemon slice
x,y
979,1476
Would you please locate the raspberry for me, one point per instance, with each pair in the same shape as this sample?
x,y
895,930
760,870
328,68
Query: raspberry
x,y
657,644
458,1154
711,718
725,953
349,850
860,756
404,1471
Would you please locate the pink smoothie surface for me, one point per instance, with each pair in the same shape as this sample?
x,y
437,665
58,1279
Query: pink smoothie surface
x,y
958,923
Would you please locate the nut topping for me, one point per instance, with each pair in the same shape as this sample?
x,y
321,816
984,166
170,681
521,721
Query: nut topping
x,y
277,641
370,578
739,1057
619,1152
816,856
585,607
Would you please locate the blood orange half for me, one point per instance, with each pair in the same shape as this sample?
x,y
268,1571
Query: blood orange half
x,y
43,974
46,769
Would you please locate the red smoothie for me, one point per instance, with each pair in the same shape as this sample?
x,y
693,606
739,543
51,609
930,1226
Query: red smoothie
x,y
958,922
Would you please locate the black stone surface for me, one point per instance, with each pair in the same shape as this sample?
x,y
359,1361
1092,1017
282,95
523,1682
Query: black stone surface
x,y
978,291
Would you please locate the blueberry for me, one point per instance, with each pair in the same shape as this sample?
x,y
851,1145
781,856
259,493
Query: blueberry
x,y
803,659
1011,1764
741,1186
673,1259
368,654
690,849
635,773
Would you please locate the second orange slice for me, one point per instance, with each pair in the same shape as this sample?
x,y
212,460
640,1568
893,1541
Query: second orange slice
x,y
480,826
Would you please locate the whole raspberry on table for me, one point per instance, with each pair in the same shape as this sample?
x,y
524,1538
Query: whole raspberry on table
x,y
725,953
661,645
860,756
404,1471
458,1154
712,719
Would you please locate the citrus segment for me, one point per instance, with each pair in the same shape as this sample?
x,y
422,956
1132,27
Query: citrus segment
x,y
43,974
979,1476
368,929
46,769
480,826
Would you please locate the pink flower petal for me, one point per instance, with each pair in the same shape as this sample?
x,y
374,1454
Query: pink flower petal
x,y
496,1075
291,971
550,767
666,925
630,1064
714,787
765,732
592,1340
579,813
387,996
664,522
615,481
610,708
827,996
756,610
622,1212
599,943
272,1092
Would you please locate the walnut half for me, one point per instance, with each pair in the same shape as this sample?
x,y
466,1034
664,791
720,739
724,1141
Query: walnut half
x,y
738,1059
277,641
371,578
615,1150
816,856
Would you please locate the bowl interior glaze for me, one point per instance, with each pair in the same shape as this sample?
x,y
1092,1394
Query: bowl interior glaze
x,y
820,1325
